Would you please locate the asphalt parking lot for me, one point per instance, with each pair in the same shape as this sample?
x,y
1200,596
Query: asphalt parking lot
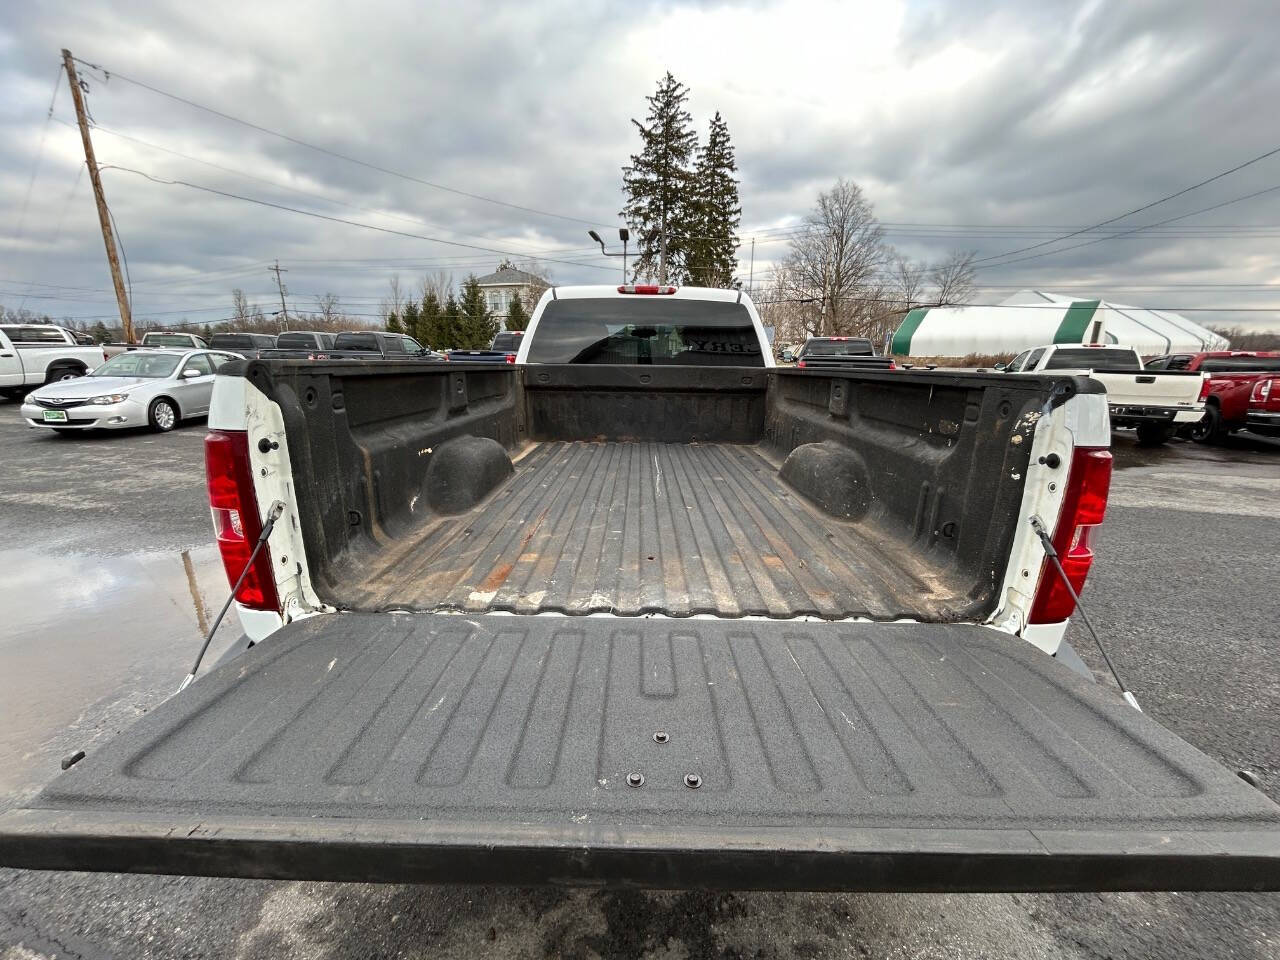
x,y
107,574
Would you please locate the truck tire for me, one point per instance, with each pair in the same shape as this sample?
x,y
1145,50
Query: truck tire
x,y
1153,434
1208,429
162,415
63,372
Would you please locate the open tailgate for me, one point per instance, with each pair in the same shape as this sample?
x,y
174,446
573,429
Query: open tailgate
x,y
852,756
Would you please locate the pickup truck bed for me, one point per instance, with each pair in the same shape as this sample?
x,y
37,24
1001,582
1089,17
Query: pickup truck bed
x,y
855,756
632,528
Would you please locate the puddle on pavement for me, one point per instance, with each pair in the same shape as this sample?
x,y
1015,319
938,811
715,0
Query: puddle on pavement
x,y
82,632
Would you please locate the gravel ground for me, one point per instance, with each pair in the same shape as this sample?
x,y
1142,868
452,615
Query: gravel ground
x,y
1184,590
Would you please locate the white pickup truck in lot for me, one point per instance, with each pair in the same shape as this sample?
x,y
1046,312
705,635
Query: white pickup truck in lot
x,y
642,609
1153,402
175,339
33,354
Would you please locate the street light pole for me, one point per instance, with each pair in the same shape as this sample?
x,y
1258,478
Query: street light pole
x,y
625,236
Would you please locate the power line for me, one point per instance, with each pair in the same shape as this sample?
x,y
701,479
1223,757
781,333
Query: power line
x,y
350,223
280,186
1145,206
336,154
1089,243
35,164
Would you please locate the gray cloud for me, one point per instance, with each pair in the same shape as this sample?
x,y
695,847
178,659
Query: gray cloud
x,y
960,113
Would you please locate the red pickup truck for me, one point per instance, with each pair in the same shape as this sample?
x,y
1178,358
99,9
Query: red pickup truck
x,y
1232,377
1264,407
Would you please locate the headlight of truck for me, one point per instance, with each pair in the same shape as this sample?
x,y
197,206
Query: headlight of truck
x,y
110,398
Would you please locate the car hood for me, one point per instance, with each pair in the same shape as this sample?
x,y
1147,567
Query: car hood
x,y
84,387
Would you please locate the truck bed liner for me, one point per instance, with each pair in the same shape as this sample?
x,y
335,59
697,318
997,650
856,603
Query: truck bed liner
x,y
633,528
434,747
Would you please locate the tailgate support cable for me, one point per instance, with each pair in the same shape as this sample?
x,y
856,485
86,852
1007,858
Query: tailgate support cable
x,y
1038,526
277,509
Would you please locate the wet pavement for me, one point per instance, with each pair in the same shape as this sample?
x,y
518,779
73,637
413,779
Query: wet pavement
x,y
107,573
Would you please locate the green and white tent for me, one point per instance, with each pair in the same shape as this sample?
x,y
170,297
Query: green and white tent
x,y
1031,318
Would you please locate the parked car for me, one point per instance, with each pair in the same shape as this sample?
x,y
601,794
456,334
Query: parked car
x,y
154,388
819,352
159,338
1264,407
250,345
1232,377
358,345
503,349
1154,402
34,354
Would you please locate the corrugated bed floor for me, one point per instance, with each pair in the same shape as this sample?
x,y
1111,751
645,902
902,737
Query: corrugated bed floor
x,y
634,528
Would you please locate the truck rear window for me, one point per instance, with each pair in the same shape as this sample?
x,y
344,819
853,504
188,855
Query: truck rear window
x,y
169,340
851,347
357,341
646,330
1084,358
1240,364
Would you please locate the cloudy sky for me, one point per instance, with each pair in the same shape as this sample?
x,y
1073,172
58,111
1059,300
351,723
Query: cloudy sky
x,y
971,124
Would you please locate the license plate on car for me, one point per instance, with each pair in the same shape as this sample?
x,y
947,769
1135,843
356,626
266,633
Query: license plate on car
x,y
55,416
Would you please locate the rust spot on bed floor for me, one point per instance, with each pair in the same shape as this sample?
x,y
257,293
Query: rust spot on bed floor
x,y
497,578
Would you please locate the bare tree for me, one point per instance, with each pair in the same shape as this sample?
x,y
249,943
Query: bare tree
x,y
909,281
544,280
327,305
245,315
952,278
834,259
440,283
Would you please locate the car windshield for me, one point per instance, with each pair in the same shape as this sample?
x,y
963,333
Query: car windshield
x,y
1087,358
139,363
646,330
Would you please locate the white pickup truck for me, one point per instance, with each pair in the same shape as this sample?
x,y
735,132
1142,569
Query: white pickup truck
x,y
33,354
1153,402
159,338
642,609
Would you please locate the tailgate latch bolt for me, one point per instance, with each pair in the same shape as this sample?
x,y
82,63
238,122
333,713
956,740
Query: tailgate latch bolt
x,y
660,737
635,779
692,781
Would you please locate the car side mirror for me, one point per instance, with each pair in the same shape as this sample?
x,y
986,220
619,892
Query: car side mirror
x,y
1001,367
788,356
190,372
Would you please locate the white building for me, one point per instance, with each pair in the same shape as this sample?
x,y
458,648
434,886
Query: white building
x,y
501,286
1031,318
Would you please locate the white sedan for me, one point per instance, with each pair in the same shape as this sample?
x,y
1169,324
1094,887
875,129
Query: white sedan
x,y
142,388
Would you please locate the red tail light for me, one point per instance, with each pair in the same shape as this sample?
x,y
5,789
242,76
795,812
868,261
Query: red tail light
x,y
646,288
1083,506
893,365
510,358
236,520
1204,390
799,363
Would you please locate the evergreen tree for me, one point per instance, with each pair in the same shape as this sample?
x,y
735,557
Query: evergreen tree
x,y
409,320
658,185
101,334
477,325
451,322
717,211
517,319
394,322
432,330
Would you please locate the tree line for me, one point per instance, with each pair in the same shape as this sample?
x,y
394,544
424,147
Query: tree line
x,y
443,315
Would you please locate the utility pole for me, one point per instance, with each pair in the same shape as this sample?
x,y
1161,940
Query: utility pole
x,y
104,217
277,270
751,273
